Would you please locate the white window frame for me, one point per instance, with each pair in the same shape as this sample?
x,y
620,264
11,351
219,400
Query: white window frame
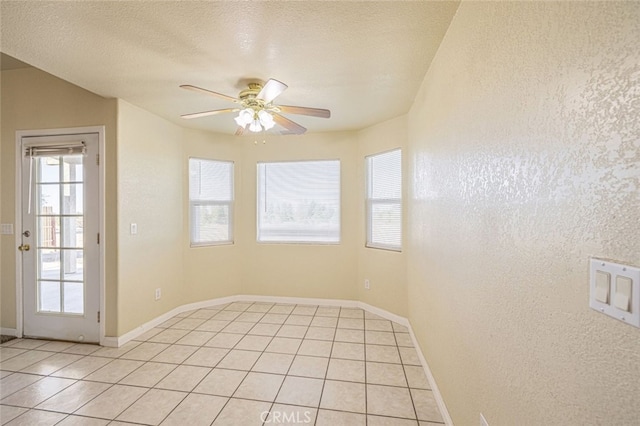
x,y
194,203
370,202
302,242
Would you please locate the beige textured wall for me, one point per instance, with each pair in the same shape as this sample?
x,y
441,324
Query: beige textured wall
x,y
151,177
385,270
150,191
299,270
32,100
246,267
212,271
524,153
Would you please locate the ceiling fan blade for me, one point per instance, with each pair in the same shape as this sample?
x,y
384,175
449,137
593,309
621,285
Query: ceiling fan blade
x,y
209,92
292,127
239,131
208,113
314,112
271,90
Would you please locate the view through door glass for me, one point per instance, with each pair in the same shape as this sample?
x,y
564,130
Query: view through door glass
x,y
60,221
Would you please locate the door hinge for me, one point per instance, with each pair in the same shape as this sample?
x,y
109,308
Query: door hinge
x,y
97,159
98,238
98,316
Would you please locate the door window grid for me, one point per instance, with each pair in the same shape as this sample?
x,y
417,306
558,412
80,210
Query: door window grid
x,y
60,260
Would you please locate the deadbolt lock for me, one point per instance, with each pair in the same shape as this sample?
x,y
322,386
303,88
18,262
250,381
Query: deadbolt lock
x,y
24,247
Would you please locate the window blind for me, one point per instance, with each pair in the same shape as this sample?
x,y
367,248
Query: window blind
x,y
53,150
299,201
384,200
210,201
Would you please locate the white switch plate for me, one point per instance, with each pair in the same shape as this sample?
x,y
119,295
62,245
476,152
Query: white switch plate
x,y
616,270
158,293
7,229
134,228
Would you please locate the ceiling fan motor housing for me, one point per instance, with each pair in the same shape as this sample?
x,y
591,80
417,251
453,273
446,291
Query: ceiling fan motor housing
x,y
249,98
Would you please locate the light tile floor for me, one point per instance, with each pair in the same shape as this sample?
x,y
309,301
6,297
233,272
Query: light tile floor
x,y
237,364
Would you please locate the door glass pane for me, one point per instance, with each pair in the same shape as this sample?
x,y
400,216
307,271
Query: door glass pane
x,y
49,264
59,203
49,231
49,296
49,169
72,168
73,265
72,201
74,298
49,197
72,233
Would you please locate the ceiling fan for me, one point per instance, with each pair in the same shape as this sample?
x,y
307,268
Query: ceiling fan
x,y
256,111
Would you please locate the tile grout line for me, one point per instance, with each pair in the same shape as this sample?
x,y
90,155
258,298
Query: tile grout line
x,y
111,386
288,369
326,373
239,384
366,382
181,363
222,308
255,362
404,372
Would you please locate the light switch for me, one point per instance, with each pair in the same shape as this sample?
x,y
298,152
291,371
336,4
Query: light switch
x,y
603,284
134,228
622,296
614,290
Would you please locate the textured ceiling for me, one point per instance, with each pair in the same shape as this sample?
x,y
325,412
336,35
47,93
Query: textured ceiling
x,y
362,60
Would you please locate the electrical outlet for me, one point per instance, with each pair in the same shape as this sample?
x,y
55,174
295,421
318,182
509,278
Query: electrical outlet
x,y
158,293
367,285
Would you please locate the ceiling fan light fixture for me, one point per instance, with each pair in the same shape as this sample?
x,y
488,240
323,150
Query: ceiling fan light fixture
x,y
255,126
257,121
266,119
244,117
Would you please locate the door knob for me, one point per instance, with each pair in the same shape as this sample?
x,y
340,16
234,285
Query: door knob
x,y
24,247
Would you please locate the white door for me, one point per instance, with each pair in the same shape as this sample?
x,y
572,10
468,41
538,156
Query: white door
x,y
60,225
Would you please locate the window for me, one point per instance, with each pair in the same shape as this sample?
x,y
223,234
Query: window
x,y
299,202
384,200
210,201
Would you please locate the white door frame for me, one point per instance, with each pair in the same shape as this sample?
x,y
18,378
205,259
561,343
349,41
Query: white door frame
x,y
100,130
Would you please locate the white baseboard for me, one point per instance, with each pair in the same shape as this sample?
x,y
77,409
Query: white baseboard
x,y
9,331
138,331
343,303
121,340
384,314
432,381
111,342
